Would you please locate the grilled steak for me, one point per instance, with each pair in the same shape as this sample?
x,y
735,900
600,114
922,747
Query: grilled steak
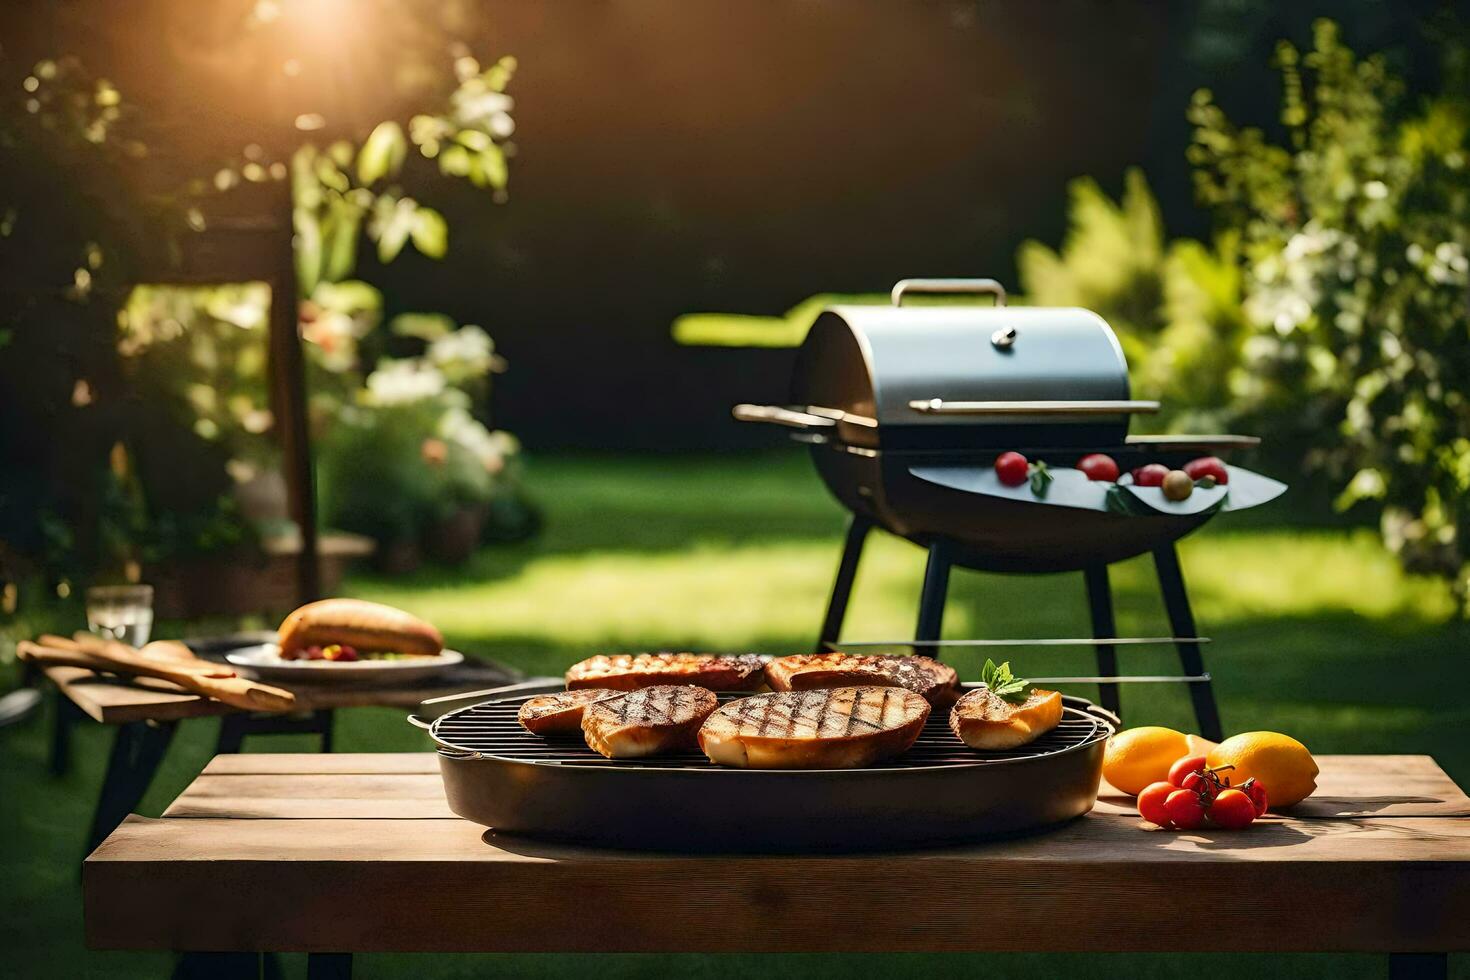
x,y
936,682
984,721
550,714
647,721
829,729
625,672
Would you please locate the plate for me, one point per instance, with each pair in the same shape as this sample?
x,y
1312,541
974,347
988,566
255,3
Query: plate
x,y
264,661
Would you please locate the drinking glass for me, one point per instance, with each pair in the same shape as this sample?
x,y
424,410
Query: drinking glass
x,y
121,612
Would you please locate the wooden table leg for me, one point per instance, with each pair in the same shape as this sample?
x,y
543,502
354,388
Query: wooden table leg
x,y
1418,966
137,750
329,966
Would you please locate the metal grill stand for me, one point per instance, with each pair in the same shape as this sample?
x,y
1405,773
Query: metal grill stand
x,y
945,554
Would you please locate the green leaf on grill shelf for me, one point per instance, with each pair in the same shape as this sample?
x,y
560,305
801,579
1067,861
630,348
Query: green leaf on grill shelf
x,y
1040,478
1003,684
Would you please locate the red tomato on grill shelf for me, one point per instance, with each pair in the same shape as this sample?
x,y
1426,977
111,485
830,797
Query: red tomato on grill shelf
x,y
1151,475
1208,466
1012,469
1099,466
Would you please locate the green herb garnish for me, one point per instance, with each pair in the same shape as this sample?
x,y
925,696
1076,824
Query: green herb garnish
x,y
1003,684
1040,478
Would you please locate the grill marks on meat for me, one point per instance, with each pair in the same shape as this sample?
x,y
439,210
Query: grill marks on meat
x,y
627,672
550,714
937,683
989,723
839,728
647,721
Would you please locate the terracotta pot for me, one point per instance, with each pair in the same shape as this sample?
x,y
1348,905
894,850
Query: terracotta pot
x,y
452,540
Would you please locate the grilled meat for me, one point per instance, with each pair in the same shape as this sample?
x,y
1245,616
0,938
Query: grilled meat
x,y
552,714
842,728
986,722
937,683
625,672
647,721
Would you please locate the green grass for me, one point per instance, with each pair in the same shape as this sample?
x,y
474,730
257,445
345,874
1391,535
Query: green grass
x,y
1317,633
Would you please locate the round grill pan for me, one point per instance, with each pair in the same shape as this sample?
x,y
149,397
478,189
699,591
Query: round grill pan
x,y
499,775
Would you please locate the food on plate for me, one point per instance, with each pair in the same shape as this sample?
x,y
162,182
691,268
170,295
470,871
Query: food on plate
x,y
837,728
1006,713
352,629
551,714
1139,756
1177,485
1151,475
1279,761
1099,466
648,721
1208,467
627,672
937,683
1012,469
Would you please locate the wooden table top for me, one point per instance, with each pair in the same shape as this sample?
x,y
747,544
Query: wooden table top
x,y
116,701
359,853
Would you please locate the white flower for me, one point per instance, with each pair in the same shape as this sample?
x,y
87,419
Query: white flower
x,y
469,348
403,382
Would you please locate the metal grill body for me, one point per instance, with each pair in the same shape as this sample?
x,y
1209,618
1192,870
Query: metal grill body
x,y
940,791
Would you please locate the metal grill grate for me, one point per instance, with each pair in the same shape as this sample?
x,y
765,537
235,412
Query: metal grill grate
x,y
491,729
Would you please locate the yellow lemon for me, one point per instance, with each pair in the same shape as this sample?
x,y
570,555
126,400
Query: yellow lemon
x,y
1140,756
1199,745
1278,762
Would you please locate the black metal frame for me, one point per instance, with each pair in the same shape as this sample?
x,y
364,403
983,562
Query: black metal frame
x,y
942,557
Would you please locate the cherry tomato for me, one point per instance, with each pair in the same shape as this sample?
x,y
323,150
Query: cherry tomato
x,y
1151,802
1257,793
1200,782
1099,466
1151,475
1177,485
1185,766
1186,810
1211,466
1232,810
1012,469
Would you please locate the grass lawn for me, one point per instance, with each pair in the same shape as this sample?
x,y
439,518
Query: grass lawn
x,y
1317,634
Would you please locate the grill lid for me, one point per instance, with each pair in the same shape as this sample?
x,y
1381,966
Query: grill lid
x,y
946,377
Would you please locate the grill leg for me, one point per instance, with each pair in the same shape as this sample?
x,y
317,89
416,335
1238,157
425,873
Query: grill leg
x,y
931,599
852,550
1100,605
1181,621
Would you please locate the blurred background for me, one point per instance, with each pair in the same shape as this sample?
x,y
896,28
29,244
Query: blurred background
x,y
503,268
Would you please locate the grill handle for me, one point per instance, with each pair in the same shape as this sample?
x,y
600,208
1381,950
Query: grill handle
x,y
948,287
938,406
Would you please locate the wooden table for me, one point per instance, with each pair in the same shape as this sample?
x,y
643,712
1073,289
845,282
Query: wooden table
x,y
146,713
366,856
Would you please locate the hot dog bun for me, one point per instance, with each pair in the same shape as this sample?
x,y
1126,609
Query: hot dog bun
x,y
368,626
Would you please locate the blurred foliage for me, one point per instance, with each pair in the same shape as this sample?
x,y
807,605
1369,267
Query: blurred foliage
x,y
1356,282
137,418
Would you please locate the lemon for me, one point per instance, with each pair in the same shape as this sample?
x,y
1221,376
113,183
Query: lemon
x,y
1199,745
1278,762
1140,756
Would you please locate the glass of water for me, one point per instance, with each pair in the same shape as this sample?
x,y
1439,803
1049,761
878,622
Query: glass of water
x,y
121,612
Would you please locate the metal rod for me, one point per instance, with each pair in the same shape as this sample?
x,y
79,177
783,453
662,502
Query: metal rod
x,y
938,406
1100,607
1181,620
1087,642
1132,679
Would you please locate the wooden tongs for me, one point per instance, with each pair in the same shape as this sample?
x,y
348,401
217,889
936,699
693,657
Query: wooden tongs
x,y
165,660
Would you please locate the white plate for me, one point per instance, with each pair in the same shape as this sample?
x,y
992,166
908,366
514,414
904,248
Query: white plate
x,y
265,663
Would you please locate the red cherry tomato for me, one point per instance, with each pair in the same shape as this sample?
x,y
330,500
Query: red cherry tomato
x,y
1151,803
1200,782
1211,466
1099,466
1012,469
1257,793
1151,475
1185,766
1232,810
1186,810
